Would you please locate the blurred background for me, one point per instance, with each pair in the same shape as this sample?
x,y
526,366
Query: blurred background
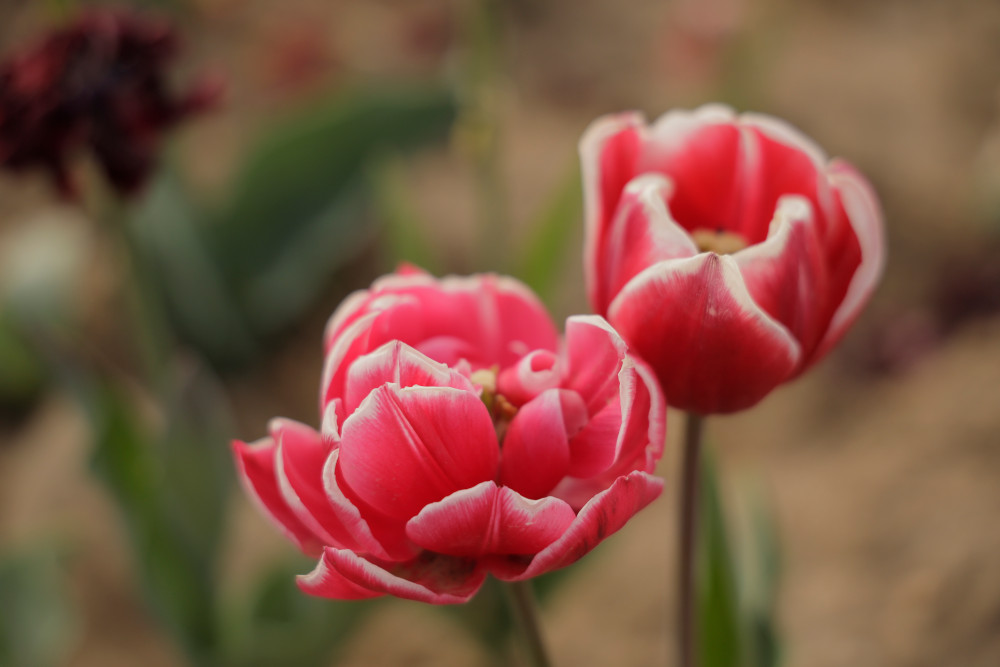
x,y
139,333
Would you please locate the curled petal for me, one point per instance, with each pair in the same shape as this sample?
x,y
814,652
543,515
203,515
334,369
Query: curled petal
x,y
642,232
487,520
605,514
406,447
786,275
255,464
342,574
536,448
532,375
300,457
609,152
861,208
715,350
594,354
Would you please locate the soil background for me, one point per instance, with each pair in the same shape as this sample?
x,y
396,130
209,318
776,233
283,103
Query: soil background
x,y
882,465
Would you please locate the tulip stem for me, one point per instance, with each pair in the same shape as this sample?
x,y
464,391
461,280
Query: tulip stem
x,y
687,537
524,611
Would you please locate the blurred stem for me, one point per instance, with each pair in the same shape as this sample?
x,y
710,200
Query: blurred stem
x,y
524,610
479,128
687,537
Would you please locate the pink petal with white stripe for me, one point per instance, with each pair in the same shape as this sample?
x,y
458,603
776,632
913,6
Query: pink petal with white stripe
x,y
593,357
693,320
642,232
785,275
256,471
406,447
536,450
604,515
532,375
397,363
488,520
342,574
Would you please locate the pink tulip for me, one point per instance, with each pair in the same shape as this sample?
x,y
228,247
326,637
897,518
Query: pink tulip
x,y
458,439
726,250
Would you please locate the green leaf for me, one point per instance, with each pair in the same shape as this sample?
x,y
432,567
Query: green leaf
x,y
720,637
170,487
296,212
36,619
169,230
554,229
280,625
296,187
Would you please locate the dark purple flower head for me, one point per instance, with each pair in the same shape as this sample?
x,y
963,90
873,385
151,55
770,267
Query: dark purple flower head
x,y
99,83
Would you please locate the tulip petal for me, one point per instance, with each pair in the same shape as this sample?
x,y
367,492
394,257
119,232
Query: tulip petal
x,y
372,532
298,466
641,233
532,375
605,514
400,364
342,574
714,348
536,447
861,207
406,447
609,151
489,520
786,274
255,464
594,354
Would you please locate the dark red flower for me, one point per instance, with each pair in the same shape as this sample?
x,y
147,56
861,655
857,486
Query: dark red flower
x,y
99,83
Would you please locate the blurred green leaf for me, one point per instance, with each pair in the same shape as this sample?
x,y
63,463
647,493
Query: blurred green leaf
x,y
720,640
36,620
296,186
24,372
171,487
169,231
555,227
280,625
296,212
761,574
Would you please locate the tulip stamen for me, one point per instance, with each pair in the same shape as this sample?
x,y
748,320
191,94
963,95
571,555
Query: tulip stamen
x,y
501,410
719,241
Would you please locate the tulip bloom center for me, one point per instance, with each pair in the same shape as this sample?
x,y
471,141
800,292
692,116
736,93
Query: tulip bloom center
x,y
501,410
719,241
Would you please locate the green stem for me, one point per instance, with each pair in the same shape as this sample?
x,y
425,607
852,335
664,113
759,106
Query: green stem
x,y
687,537
523,609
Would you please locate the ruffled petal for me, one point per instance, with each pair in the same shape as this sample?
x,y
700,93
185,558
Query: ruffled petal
x,y
536,447
605,514
488,520
255,465
344,575
406,447
712,347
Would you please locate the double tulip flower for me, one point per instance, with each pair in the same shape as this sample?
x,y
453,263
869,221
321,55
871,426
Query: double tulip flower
x,y
460,437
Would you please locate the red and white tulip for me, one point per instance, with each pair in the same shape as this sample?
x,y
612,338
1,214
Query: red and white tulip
x,y
727,250
460,437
